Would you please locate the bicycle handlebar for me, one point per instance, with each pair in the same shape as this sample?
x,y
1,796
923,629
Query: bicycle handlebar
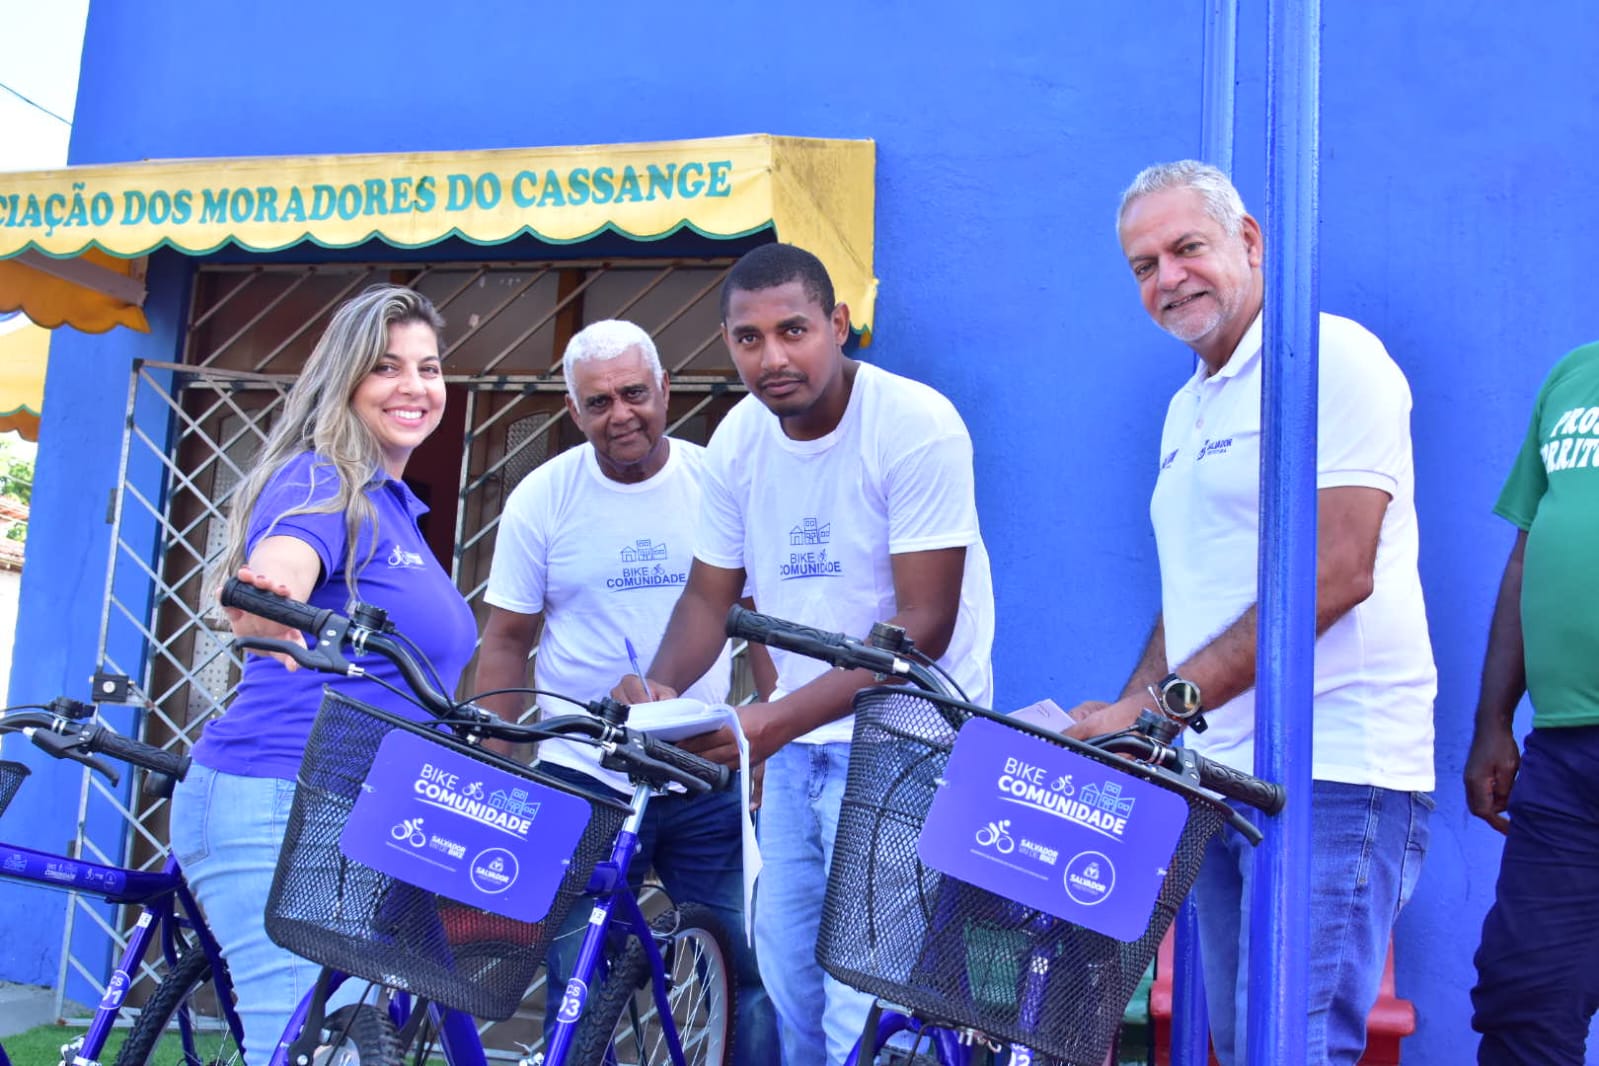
x,y
849,653
633,751
59,733
841,651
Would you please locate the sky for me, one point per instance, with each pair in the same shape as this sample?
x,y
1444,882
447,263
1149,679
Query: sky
x,y
39,55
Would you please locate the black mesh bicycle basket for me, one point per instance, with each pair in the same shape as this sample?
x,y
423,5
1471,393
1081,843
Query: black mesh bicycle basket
x,y
12,774
956,954
338,912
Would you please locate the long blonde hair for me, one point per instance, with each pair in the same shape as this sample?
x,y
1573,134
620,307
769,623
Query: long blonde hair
x,y
317,417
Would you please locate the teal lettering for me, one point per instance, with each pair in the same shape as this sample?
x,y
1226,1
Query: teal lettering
x,y
400,189
10,203
241,205
553,196
133,207
460,193
529,180
689,189
721,184
266,203
377,198
160,207
661,180
630,187
604,185
488,191
78,212
100,208
55,206
322,198
294,208
349,201
214,205
427,197
578,183
182,206
30,214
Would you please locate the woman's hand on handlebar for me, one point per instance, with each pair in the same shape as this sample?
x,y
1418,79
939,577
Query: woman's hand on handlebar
x,y
245,624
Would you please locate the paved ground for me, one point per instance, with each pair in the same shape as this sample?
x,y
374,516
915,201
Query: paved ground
x,y
23,1006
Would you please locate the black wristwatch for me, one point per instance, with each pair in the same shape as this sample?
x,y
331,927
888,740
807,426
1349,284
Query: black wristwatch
x,y
1178,699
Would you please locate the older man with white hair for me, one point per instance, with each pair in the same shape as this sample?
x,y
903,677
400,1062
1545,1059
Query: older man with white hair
x,y
594,547
1196,256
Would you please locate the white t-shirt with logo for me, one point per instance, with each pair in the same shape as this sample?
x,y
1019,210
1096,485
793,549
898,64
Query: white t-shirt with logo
x,y
813,523
605,562
1374,673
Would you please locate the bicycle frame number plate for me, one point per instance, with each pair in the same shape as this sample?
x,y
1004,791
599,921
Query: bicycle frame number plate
x,y
1033,822
448,823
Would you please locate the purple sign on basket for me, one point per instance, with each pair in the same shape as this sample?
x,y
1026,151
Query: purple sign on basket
x,y
1051,829
446,822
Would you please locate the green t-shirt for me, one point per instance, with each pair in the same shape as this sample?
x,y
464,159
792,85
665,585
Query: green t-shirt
x,y
1553,494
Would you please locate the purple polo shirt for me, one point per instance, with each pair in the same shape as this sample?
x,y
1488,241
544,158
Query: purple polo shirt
x,y
264,731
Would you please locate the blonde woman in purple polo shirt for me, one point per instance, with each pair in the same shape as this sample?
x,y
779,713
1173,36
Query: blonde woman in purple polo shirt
x,y
323,517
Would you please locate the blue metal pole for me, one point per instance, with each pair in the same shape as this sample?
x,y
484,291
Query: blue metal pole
x,y
1190,1029
1279,923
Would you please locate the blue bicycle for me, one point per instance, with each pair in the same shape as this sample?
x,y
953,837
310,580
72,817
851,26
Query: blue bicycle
x,y
190,1014
419,860
998,909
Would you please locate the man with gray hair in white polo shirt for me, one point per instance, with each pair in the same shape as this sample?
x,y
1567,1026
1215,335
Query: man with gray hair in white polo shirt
x,y
1196,256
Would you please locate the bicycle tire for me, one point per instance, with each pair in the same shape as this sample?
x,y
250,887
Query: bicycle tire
x,y
701,986
371,1039
176,993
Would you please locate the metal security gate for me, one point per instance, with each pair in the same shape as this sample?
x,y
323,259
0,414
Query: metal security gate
x,y
194,427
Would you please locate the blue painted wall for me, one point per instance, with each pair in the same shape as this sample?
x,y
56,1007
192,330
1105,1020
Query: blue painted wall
x,y
1456,206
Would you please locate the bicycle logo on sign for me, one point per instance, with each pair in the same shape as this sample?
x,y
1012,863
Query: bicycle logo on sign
x,y
410,831
996,835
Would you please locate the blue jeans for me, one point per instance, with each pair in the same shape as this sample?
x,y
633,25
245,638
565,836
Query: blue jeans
x,y
695,845
1538,965
1367,852
226,834
799,818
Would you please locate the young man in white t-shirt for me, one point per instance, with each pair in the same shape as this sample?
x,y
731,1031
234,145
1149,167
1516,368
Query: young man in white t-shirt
x,y
1196,256
842,495
593,548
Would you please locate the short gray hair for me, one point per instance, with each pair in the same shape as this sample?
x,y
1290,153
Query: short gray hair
x,y
1222,202
609,338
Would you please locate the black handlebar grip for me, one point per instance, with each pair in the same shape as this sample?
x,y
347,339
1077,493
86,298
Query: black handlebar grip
x,y
803,640
1245,788
135,753
709,774
271,606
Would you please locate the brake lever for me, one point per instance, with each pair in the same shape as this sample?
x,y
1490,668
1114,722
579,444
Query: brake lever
x,y
59,746
324,658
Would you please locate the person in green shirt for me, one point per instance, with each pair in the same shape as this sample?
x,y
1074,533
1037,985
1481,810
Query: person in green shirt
x,y
1538,963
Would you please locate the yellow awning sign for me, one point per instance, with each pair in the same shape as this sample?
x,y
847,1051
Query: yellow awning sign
x,y
24,348
814,193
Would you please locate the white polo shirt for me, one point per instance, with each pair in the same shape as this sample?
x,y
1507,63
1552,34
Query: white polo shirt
x,y
1374,674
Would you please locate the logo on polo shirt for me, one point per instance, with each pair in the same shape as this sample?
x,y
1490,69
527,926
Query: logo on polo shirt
x,y
1213,447
1166,462
646,565
407,560
810,533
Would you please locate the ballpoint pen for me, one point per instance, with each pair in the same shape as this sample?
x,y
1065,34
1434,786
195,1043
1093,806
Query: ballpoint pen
x,y
632,657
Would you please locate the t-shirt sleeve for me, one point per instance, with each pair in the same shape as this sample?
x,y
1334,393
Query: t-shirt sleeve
x,y
517,576
719,539
932,501
1529,478
279,512
1363,420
